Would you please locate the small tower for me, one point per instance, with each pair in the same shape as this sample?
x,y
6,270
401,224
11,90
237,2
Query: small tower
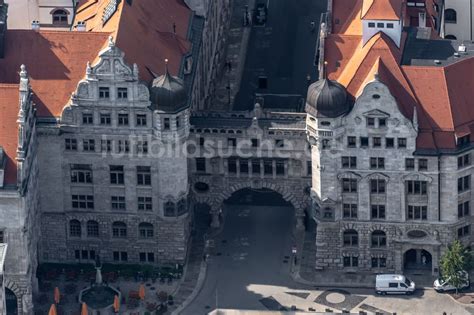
x,y
327,101
170,106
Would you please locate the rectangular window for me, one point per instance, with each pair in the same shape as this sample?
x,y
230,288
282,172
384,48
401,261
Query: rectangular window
x,y
87,118
232,165
402,142
351,142
377,186
142,257
254,143
371,25
85,254
268,167
389,25
377,163
123,146
422,164
256,167
370,121
349,211
77,254
141,120
382,122
178,122
280,167
351,261
377,211
349,162
409,164
145,204
464,160
143,175
81,173
70,144
389,143
106,145
464,183
142,146
123,256
82,201
416,187
2,237
116,174
232,142
117,202
379,262
380,25
122,93
92,254
244,166
200,164
463,209
464,231
166,123
279,143
105,119
377,142
364,142
417,212
349,185
116,256
88,145
104,92
309,168
123,119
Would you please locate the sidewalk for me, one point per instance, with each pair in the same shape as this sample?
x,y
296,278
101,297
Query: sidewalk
x,y
305,272
237,44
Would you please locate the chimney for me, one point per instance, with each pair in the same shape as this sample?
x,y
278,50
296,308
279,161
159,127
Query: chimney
x,y
3,26
422,19
35,25
81,26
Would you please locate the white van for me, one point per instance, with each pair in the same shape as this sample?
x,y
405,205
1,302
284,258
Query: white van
x,y
393,284
443,285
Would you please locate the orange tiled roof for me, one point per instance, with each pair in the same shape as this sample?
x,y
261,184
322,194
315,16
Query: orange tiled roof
x,y
144,31
441,95
9,107
55,61
382,9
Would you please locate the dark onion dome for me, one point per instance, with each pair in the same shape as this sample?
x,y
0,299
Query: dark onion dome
x,y
327,98
168,94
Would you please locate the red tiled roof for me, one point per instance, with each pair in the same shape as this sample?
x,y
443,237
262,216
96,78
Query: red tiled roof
x,y
441,95
9,107
144,31
381,10
55,61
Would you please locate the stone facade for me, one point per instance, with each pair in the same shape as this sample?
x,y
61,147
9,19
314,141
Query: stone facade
x,y
19,206
379,194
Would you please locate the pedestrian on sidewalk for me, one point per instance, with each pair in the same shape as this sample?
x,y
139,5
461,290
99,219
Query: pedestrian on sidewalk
x,y
313,26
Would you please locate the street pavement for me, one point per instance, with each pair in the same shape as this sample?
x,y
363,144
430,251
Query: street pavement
x,y
283,50
249,268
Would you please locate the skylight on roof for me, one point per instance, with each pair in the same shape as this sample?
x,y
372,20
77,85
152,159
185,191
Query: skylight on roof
x,y
110,10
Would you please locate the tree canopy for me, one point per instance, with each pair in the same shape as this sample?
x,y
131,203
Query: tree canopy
x,y
454,263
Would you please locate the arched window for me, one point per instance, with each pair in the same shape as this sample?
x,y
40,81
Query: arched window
x,y
379,239
170,209
145,230
351,238
59,17
74,228
92,228
182,208
450,16
119,229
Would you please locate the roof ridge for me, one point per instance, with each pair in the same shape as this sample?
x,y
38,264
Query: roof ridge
x,y
9,85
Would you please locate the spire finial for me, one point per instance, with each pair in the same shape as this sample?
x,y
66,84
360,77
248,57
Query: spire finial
x,y
377,76
166,66
325,64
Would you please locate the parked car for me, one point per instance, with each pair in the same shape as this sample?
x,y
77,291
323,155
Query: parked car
x,y
393,284
443,285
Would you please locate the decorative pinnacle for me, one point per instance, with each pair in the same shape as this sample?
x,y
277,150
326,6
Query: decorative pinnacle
x,y
166,65
88,68
376,76
111,41
23,72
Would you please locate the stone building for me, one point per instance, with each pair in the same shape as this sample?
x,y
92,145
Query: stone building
x,y
458,20
52,14
391,145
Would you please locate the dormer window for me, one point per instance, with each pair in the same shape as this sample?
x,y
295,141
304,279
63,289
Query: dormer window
x,y
59,17
380,25
389,25
463,141
371,25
